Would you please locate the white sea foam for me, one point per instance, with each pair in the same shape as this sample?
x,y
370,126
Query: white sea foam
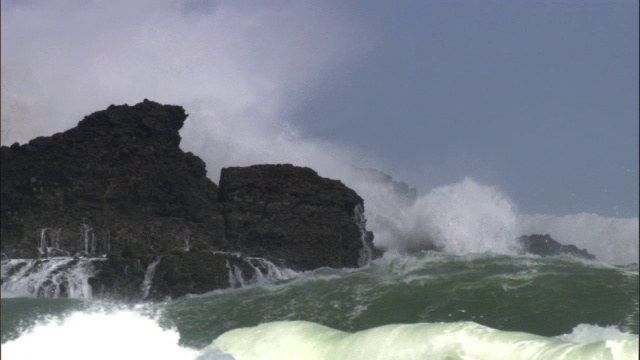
x,y
130,335
466,217
121,334
469,217
585,333
461,340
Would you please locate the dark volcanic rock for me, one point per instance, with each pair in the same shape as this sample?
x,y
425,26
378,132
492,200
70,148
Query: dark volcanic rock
x,y
120,278
119,194
293,216
544,245
189,273
118,183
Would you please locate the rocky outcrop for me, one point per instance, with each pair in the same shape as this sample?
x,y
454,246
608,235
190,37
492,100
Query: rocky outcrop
x,y
118,187
293,216
544,245
118,182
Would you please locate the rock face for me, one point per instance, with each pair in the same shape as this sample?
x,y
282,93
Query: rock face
x,y
116,182
118,185
544,245
293,216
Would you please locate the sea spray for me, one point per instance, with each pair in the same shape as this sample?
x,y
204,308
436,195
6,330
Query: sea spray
x,y
465,217
469,217
121,334
612,240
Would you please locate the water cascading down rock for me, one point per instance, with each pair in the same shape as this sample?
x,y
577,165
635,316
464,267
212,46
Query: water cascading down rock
x,y
119,185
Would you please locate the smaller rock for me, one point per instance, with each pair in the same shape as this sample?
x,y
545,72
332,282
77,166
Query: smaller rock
x,y
292,215
544,245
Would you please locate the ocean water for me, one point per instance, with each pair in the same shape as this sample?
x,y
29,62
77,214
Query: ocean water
x,y
478,299
421,306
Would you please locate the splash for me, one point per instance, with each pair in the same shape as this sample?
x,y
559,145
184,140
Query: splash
x,y
470,217
119,335
240,72
465,217
611,240
237,70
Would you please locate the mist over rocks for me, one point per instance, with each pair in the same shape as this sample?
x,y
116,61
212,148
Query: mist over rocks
x,y
125,205
406,194
118,185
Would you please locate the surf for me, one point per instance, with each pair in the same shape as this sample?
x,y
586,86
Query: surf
x,y
134,334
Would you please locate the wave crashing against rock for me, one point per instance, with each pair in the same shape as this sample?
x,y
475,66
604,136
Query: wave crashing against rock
x,y
119,185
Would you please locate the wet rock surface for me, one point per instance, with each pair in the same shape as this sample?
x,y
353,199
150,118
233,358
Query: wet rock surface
x,y
119,186
116,181
292,215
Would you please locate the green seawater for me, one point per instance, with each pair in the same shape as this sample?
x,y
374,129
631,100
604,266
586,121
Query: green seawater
x,y
545,297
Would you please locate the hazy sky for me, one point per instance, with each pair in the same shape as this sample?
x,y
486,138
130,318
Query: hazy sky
x,y
538,98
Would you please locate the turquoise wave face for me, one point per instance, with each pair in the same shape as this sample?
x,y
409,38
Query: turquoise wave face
x,y
541,297
546,297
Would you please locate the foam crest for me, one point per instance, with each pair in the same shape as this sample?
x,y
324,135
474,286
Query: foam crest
x,y
461,340
123,334
585,333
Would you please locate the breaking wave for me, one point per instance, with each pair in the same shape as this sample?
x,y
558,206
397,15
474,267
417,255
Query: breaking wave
x,y
132,335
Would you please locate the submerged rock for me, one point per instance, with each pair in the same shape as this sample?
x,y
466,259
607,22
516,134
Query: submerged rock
x,y
544,245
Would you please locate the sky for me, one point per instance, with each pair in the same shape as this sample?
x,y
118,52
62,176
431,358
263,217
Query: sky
x,y
536,98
